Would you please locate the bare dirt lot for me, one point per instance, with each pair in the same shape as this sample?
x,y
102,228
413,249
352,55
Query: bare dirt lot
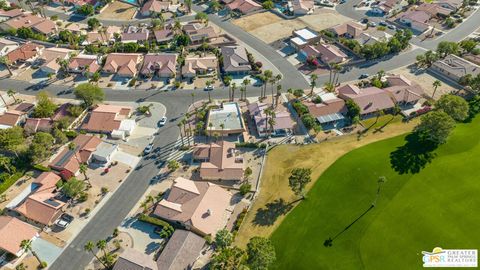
x,y
269,27
118,10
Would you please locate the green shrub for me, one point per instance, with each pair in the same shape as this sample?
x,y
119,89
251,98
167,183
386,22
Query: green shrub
x,y
153,220
71,134
83,197
245,188
59,184
43,265
132,82
41,168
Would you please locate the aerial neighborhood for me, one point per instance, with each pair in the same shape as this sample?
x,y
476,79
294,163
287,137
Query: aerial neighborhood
x,y
239,134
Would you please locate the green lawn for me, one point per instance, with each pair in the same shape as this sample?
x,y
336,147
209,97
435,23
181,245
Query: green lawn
x,y
438,206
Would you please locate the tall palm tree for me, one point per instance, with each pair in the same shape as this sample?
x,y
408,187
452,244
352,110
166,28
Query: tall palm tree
x,y
89,246
234,87
6,62
272,82
5,162
267,75
279,89
102,245
188,4
246,82
313,82
222,126
210,126
11,94
208,83
26,245
268,112
83,170
179,125
436,84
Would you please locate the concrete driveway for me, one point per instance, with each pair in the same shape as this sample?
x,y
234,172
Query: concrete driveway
x,y
144,237
47,251
126,158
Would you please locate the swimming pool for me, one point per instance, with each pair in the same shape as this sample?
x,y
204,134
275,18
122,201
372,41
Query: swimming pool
x,y
131,2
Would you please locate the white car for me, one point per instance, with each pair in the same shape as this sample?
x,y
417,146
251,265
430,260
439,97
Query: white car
x,y
148,149
64,220
162,121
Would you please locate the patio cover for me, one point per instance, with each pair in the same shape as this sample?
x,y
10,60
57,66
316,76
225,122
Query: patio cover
x,y
330,118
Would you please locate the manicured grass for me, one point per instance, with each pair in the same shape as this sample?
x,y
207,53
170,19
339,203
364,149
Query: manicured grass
x,y
415,212
267,211
10,181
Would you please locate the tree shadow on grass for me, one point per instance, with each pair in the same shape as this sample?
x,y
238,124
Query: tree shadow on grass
x,y
413,156
268,215
329,242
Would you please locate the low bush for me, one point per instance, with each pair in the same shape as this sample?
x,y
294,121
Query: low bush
x,y
41,168
71,134
153,220
251,145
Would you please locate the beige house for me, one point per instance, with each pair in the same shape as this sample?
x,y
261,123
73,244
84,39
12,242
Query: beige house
x,y
201,207
12,232
454,67
220,161
198,65
51,57
123,64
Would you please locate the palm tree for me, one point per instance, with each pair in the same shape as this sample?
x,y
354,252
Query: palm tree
x,y
436,84
267,74
222,126
188,4
210,126
246,82
102,245
279,89
6,62
268,112
272,82
11,94
313,82
378,113
234,87
179,125
83,170
26,245
208,83
89,246
5,162
177,26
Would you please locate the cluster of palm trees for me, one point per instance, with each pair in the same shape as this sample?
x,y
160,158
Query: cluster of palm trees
x,y
334,75
267,77
150,201
107,259
269,120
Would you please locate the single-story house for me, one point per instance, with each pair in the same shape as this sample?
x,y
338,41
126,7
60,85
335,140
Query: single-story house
x,y
373,37
104,153
164,35
347,30
152,7
370,99
226,119
26,53
122,64
84,64
8,14
68,161
33,125
42,206
235,60
417,20
452,5
16,116
304,37
201,207
103,37
386,7
163,65
328,53
303,7
243,6
434,10
50,59
199,65
135,34
220,161
181,251
198,32
110,119
330,111
132,259
283,121
403,91
7,46
12,232
454,67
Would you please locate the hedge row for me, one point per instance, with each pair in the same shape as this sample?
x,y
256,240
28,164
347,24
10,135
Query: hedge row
x,y
251,145
153,220
10,181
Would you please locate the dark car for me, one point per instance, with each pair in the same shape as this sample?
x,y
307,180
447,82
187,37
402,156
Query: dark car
x,y
364,76
364,20
64,220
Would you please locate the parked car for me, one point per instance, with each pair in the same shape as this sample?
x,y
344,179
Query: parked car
x,y
208,88
383,23
364,76
64,220
148,149
364,20
162,121
391,26
343,1
371,24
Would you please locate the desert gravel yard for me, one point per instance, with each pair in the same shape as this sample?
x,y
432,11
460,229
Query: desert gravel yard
x,y
119,11
269,27
425,80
